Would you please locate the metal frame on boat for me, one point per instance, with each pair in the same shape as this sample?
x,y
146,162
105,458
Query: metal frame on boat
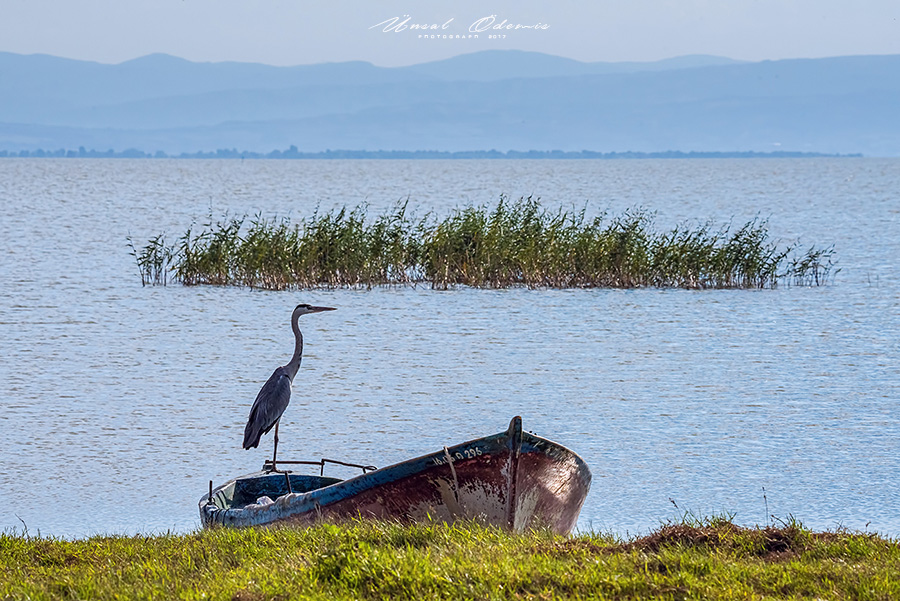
x,y
513,479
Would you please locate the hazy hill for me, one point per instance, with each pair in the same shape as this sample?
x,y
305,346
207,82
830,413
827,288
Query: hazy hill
x,y
493,99
492,65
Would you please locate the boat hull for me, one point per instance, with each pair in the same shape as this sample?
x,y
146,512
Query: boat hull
x,y
513,479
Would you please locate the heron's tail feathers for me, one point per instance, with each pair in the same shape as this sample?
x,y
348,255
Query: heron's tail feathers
x,y
251,436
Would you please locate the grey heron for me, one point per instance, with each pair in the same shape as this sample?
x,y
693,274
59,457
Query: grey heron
x,y
274,396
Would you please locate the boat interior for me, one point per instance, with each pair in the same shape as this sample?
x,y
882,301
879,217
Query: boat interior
x,y
250,489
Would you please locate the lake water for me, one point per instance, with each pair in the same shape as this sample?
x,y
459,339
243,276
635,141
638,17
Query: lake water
x,y
119,403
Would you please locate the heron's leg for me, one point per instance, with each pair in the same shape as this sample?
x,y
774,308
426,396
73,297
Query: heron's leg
x,y
275,452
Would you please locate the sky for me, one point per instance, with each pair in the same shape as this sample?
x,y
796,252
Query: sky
x,y
292,32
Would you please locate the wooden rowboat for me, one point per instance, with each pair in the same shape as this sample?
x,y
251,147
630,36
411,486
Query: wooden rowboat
x,y
513,479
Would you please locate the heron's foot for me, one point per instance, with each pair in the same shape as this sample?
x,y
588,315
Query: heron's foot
x,y
271,467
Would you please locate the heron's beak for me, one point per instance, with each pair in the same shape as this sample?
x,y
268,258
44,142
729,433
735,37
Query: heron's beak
x,y
319,309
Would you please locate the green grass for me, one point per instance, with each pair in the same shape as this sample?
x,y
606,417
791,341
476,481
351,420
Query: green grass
x,y
515,243
709,559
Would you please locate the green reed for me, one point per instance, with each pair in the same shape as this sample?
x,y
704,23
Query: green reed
x,y
154,260
513,243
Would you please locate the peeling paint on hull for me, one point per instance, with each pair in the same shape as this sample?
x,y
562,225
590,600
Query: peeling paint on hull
x,y
514,479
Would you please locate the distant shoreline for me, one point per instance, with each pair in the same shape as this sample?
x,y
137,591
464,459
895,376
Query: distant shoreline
x,y
294,153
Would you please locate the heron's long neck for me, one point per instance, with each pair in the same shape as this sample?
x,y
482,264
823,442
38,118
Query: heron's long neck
x,y
294,363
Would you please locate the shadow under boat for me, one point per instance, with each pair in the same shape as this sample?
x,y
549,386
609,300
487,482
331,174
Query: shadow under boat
x,y
513,479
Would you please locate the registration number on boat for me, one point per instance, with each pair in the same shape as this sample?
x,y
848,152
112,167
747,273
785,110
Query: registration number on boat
x,y
459,455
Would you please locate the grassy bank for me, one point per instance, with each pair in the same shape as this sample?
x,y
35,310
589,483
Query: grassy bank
x,y
711,560
515,243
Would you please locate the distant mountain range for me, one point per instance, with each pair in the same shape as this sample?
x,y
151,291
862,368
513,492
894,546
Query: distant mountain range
x,y
505,100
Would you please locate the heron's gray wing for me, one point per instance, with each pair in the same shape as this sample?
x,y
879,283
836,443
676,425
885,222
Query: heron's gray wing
x,y
270,403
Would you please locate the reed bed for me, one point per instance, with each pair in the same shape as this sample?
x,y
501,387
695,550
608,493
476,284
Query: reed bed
x,y
514,243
